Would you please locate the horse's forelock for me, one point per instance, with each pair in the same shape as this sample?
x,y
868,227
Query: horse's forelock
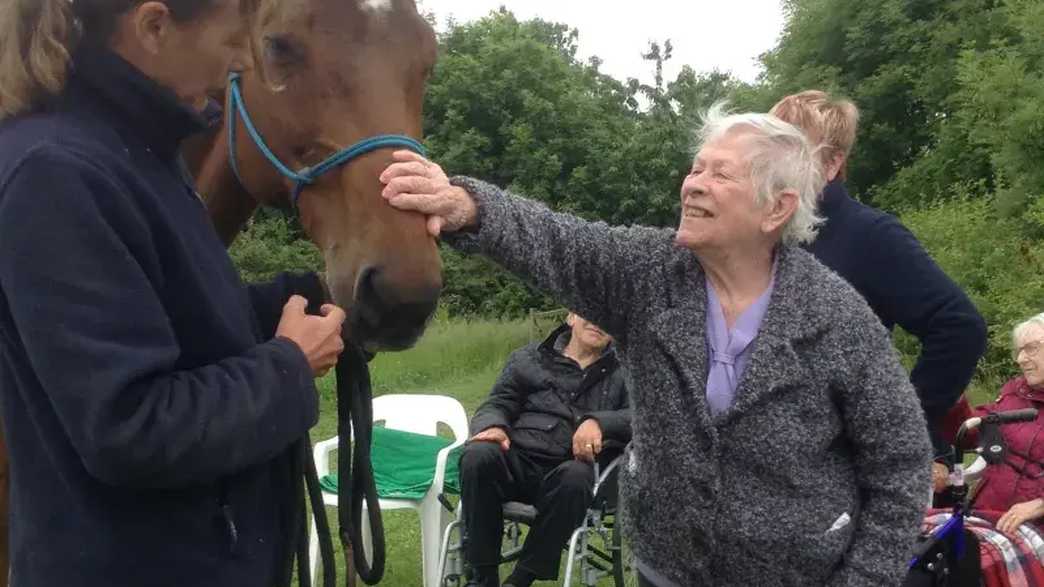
x,y
378,6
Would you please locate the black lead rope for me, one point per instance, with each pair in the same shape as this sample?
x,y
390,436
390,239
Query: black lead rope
x,y
355,483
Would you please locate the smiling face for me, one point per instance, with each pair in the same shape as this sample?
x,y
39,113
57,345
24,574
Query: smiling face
x,y
718,198
1029,354
721,214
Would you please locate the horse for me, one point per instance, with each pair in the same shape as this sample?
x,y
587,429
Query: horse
x,y
327,74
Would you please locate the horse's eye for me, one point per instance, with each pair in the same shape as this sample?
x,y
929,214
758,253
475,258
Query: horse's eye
x,y
280,49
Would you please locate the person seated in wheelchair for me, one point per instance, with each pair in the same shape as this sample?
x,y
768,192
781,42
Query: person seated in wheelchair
x,y
1014,489
547,420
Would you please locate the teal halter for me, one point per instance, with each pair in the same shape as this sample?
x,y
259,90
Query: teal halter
x,y
308,175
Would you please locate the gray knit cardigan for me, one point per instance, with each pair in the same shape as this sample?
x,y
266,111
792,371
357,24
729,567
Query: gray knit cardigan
x,y
825,423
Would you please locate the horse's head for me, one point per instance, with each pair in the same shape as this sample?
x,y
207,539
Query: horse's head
x,y
328,74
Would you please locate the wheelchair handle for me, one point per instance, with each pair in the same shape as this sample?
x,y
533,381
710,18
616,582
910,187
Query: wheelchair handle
x,y
1008,417
1023,415
994,418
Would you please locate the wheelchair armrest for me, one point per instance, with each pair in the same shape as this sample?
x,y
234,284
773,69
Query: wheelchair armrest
x,y
606,474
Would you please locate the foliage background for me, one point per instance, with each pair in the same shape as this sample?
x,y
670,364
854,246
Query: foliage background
x,y
951,138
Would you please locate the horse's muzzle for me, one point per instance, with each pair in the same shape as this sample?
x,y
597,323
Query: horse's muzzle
x,y
386,316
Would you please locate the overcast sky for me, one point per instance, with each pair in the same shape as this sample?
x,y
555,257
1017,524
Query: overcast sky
x,y
726,35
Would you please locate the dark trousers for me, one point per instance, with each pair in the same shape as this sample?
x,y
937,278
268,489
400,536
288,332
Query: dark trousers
x,y
559,489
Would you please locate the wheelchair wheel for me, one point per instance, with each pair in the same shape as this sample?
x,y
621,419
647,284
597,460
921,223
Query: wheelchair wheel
x,y
624,572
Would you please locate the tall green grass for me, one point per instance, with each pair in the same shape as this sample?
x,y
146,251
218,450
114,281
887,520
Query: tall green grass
x,y
449,351
457,358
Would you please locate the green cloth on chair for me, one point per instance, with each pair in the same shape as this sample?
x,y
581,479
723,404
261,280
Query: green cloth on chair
x,y
404,464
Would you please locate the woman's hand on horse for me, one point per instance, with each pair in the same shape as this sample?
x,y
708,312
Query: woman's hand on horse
x,y
318,336
413,183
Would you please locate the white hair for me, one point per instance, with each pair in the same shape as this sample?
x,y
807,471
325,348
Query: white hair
x,y
781,158
1022,327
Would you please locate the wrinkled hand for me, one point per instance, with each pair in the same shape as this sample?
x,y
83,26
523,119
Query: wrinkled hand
x,y
495,434
318,336
940,477
415,184
1020,513
587,441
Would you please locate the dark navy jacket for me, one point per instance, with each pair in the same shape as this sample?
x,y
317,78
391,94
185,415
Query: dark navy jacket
x,y
147,409
885,263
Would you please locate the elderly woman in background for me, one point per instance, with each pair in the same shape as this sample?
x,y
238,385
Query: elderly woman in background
x,y
776,436
1015,488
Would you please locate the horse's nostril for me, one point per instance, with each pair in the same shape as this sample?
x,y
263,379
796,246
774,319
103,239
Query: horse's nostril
x,y
364,289
390,313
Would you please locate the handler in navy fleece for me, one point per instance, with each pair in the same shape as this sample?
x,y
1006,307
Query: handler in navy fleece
x,y
147,402
885,263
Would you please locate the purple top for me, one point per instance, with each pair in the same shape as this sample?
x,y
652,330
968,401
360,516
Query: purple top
x,y
729,350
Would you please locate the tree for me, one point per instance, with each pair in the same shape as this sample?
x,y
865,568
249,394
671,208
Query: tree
x,y
897,59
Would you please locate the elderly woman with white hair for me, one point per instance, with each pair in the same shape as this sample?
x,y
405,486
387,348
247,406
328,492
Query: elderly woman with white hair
x,y
777,439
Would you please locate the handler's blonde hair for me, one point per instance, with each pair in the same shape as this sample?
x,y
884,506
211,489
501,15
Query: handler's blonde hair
x,y
38,37
830,123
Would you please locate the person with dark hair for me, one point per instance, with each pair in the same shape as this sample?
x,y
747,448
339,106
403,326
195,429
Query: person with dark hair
x,y
149,399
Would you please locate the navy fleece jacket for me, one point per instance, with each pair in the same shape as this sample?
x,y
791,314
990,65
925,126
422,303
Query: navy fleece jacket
x,y
887,265
146,405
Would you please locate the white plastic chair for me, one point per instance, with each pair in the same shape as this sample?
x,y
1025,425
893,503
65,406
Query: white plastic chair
x,y
420,414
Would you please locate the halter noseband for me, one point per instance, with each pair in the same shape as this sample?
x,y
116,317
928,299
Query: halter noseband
x,y
308,175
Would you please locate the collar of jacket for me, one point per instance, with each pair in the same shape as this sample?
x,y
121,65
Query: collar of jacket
x,y
835,194
794,314
548,347
136,104
1023,390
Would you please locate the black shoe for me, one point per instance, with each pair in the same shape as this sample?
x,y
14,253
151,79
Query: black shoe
x,y
519,578
484,578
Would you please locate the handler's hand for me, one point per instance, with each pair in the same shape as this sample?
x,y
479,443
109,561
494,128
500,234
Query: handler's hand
x,y
495,434
318,336
413,183
587,441
1020,513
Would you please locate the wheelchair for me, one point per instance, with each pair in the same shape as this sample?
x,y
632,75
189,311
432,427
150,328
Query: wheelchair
x,y
597,553
949,555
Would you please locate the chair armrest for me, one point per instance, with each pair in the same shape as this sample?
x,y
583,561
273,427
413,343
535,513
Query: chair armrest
x,y
321,456
439,480
975,470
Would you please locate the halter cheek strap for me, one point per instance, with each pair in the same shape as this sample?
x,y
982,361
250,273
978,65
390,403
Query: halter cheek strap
x,y
308,175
